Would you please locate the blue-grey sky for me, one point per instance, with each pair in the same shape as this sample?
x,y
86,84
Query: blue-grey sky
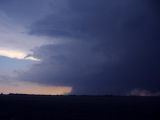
x,y
81,46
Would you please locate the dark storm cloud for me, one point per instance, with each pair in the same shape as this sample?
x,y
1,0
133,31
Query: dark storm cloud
x,y
24,12
107,46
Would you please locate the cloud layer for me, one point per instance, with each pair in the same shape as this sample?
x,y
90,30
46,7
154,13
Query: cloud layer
x,y
15,42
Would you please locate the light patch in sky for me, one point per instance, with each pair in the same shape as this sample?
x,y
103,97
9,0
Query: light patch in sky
x,y
17,55
30,88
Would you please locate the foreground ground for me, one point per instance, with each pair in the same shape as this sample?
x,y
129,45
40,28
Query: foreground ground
x,y
28,107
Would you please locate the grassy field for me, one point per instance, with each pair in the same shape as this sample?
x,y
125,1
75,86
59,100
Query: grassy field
x,y
30,107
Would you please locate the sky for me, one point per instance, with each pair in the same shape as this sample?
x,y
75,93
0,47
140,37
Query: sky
x,y
82,47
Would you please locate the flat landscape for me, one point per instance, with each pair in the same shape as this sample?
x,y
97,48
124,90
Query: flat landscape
x,y
34,107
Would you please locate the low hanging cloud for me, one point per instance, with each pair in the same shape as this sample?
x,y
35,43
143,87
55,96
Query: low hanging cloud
x,y
107,47
141,92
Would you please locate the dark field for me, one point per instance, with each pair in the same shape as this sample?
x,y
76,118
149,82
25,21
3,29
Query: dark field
x,y
28,107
